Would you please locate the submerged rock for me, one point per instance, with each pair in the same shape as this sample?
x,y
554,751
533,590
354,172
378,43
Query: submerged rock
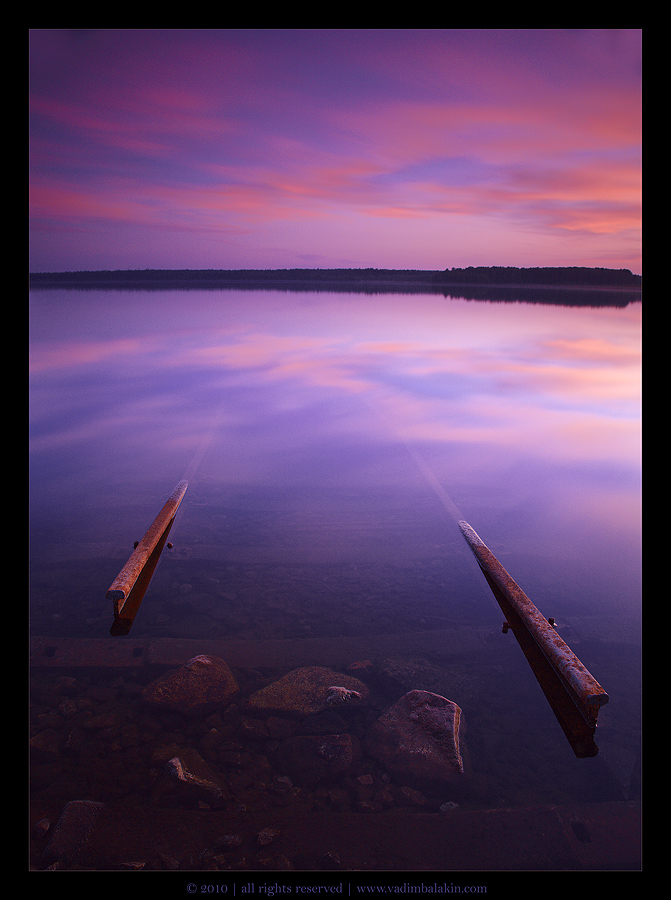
x,y
418,740
267,836
188,778
396,675
45,745
73,830
204,684
310,759
327,722
307,691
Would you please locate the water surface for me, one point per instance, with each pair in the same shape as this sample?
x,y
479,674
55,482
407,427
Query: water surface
x,y
301,417
318,432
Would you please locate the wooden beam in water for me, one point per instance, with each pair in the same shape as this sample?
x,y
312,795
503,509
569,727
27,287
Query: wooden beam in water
x,y
128,588
573,693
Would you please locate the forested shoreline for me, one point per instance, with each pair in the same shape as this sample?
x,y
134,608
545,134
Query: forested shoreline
x,y
568,276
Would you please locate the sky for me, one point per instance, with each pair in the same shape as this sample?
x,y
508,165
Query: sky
x,y
330,148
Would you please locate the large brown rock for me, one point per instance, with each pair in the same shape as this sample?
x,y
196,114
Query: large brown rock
x,y
201,686
307,691
419,741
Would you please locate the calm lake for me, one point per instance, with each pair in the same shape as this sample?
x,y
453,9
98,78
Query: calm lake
x,y
318,432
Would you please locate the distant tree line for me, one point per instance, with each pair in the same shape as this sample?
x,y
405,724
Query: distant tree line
x,y
227,276
473,275
546,275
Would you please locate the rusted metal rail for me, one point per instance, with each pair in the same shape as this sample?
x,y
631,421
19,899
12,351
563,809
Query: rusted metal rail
x,y
128,588
573,693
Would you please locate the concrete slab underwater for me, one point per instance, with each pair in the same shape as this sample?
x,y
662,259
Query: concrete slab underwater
x,y
591,837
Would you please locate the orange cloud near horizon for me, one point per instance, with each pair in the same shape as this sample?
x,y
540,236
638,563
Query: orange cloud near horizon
x,y
165,135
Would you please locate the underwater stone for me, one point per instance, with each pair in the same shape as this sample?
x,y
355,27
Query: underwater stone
x,y
194,779
73,829
418,740
304,692
310,759
201,686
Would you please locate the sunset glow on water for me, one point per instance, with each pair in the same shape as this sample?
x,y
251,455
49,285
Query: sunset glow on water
x,y
279,268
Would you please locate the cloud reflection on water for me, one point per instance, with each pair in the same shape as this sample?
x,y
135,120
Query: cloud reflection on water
x,y
530,412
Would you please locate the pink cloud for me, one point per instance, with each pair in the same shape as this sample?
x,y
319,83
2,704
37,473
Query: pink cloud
x,y
50,357
51,200
228,133
595,350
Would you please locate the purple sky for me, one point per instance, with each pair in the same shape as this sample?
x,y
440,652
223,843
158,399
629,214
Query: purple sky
x,y
396,149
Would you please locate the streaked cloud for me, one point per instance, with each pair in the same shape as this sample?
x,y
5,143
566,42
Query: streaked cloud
x,y
159,135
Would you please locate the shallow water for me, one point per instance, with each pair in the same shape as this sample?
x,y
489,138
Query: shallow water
x,y
329,440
